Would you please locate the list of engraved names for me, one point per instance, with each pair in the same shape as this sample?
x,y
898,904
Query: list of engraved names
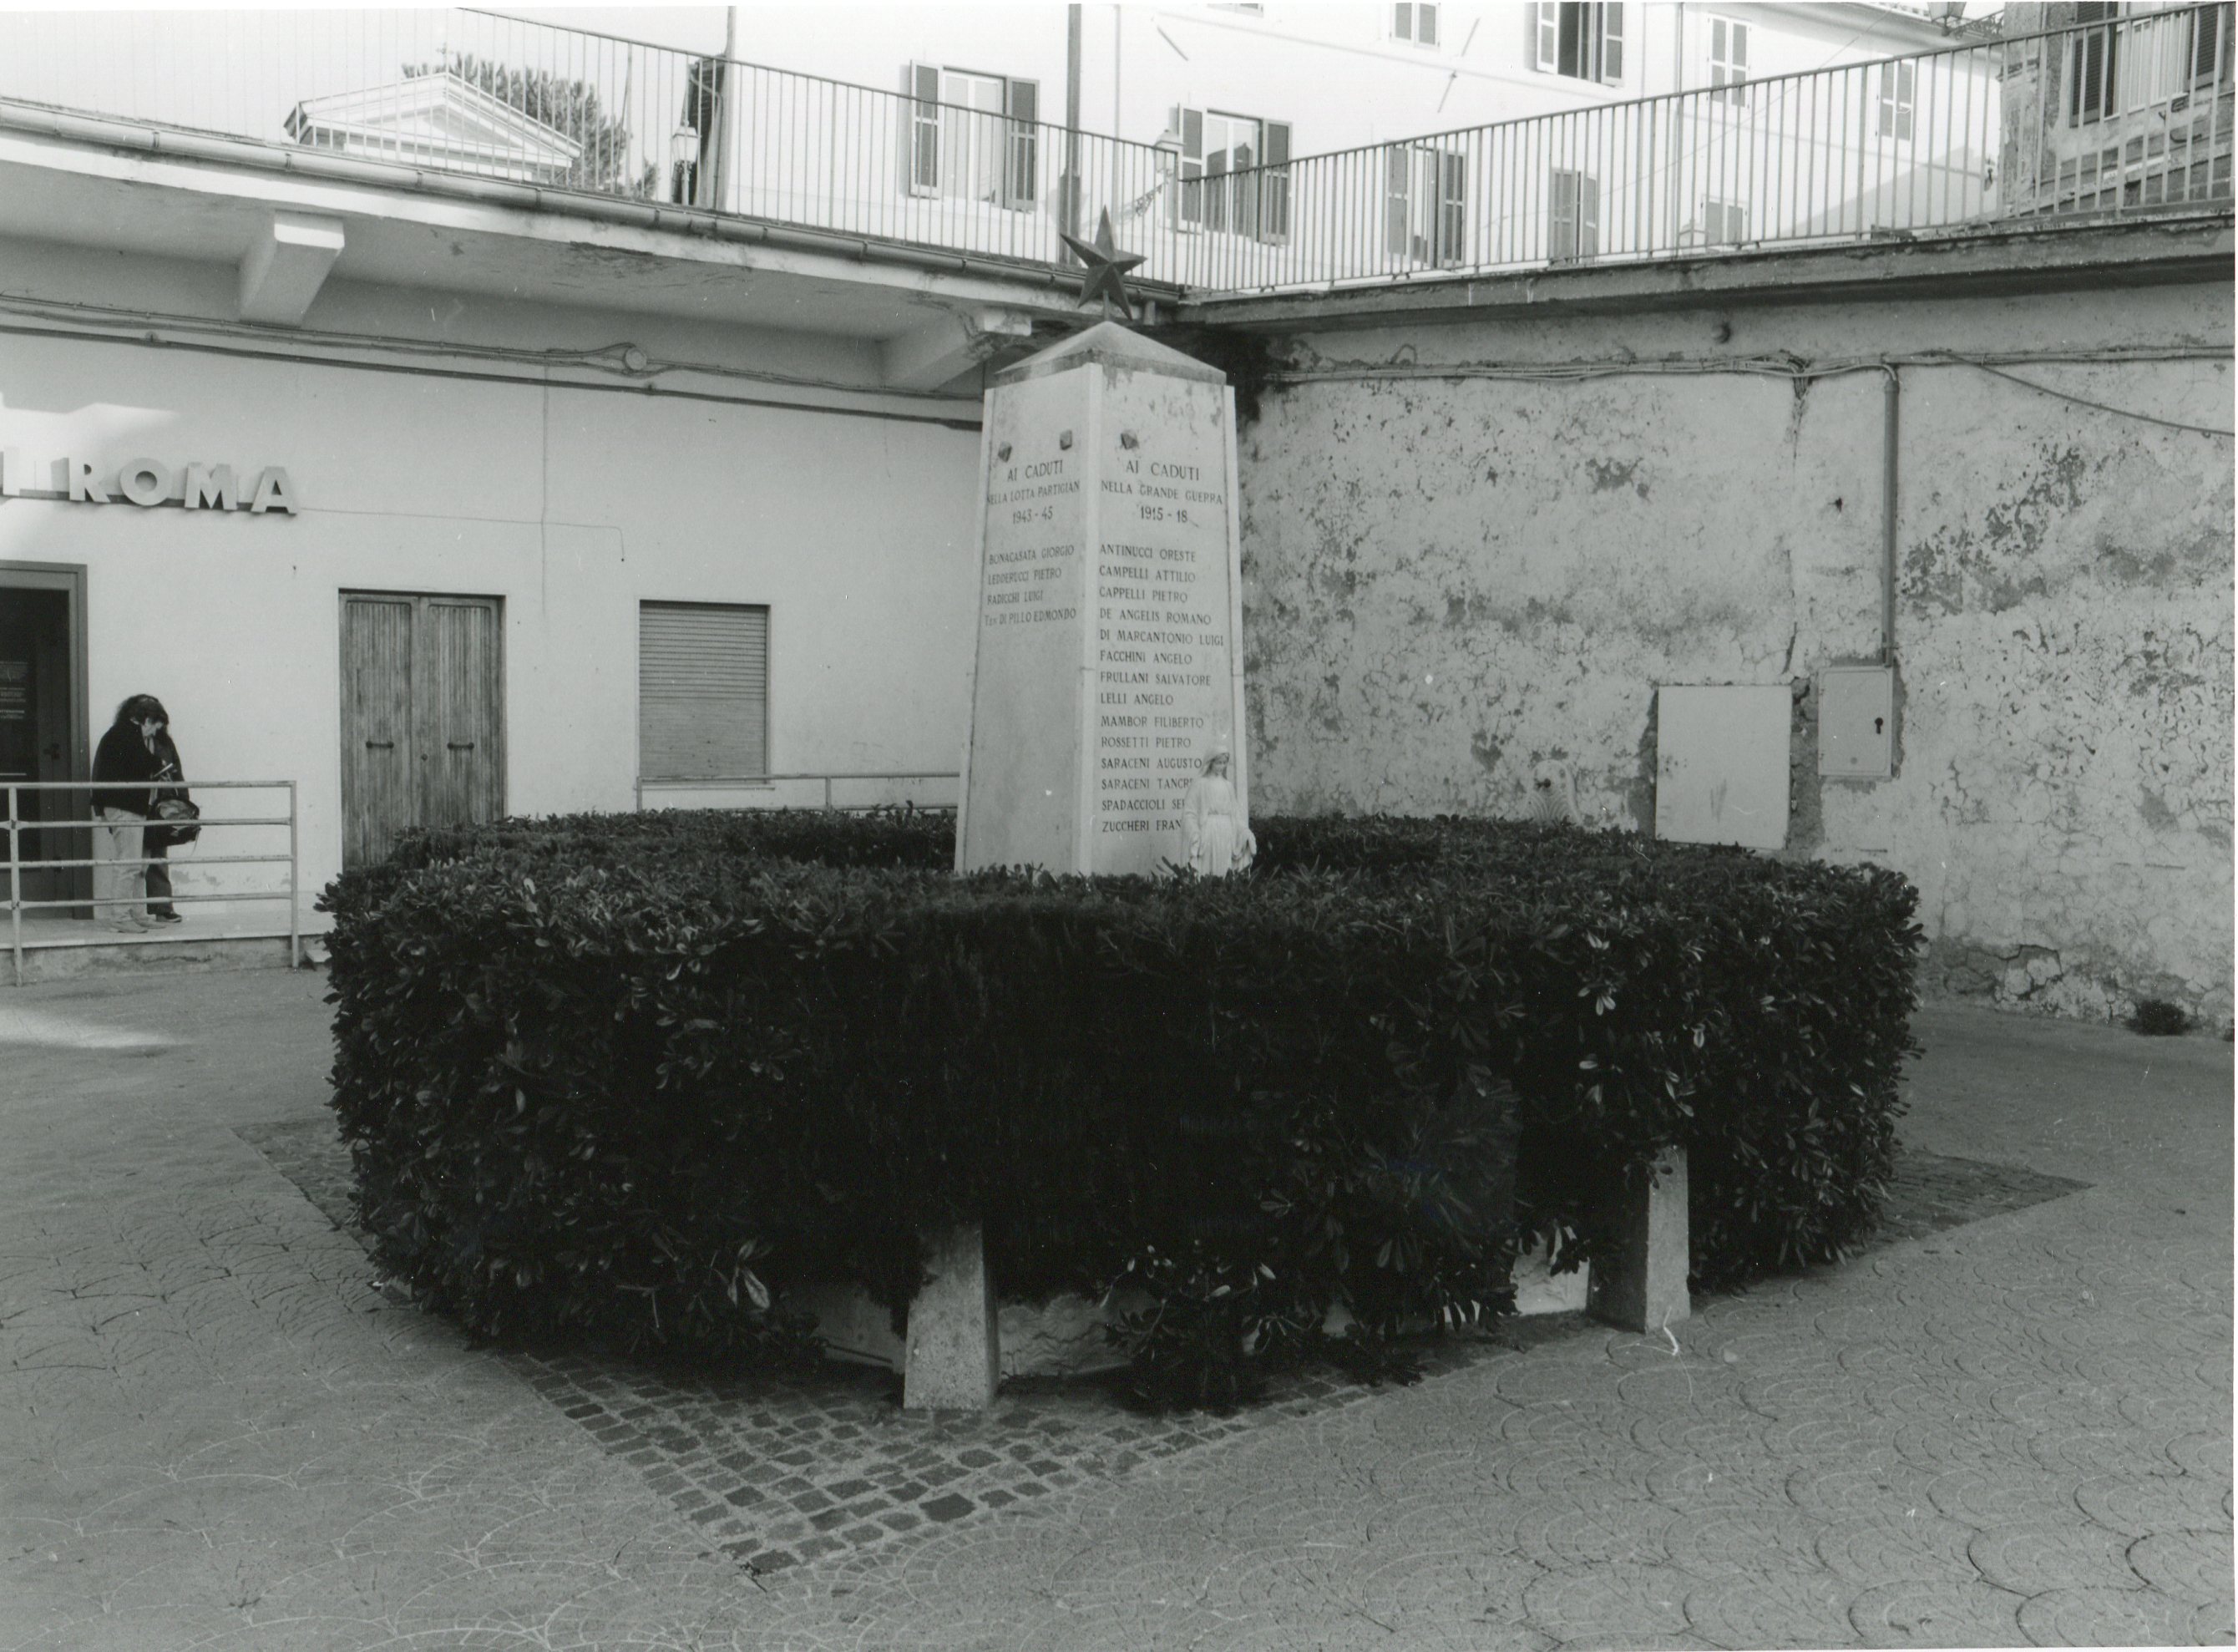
x,y
1032,514
1162,613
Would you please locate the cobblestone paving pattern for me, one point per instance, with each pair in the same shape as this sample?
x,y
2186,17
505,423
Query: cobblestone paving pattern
x,y
215,1433
782,1472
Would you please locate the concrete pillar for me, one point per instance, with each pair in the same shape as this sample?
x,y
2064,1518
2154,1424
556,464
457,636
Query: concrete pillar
x,y
953,1356
1643,1285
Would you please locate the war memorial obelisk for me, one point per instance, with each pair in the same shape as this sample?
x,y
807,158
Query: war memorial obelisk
x,y
1109,665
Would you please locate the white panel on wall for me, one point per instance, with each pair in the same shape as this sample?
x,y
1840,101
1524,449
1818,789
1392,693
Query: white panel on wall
x,y
1721,764
1856,721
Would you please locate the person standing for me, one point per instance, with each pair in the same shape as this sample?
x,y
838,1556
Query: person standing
x,y
161,835
127,753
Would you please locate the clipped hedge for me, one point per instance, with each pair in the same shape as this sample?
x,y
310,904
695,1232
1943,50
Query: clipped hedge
x,y
631,1077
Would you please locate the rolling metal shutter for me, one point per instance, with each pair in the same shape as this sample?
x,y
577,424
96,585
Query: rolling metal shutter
x,y
703,692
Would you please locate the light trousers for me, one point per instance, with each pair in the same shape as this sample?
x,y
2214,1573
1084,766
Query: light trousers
x,y
116,843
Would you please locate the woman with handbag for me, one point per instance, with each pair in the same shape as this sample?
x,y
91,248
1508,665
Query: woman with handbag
x,y
127,753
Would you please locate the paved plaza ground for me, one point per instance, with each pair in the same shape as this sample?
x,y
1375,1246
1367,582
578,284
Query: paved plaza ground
x,y
2009,1422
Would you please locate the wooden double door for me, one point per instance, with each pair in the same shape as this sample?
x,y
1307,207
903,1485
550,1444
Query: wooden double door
x,y
423,715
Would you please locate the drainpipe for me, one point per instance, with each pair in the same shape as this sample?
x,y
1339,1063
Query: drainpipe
x,y
727,95
1889,400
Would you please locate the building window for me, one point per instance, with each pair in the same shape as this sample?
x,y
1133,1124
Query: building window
x,y
1729,44
2091,65
1426,205
1417,24
1583,42
1724,223
1573,216
1234,174
2208,53
702,692
972,137
1896,102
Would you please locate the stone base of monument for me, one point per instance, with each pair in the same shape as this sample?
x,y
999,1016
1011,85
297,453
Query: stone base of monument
x,y
950,1360
1643,1287
962,1343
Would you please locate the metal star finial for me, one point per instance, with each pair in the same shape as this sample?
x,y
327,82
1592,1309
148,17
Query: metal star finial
x,y
1107,269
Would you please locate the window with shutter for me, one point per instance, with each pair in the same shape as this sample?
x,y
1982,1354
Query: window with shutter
x,y
1022,105
922,137
2090,66
1585,41
1415,22
1724,223
703,692
1728,60
1188,194
1573,211
1453,209
1896,101
1398,202
1275,190
2208,53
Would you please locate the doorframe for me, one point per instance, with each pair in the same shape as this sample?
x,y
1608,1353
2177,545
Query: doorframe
x,y
70,577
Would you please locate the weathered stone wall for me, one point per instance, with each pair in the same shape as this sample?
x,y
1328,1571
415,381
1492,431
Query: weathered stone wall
x,y
1456,587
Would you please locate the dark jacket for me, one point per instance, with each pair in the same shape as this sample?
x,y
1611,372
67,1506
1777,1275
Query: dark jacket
x,y
124,755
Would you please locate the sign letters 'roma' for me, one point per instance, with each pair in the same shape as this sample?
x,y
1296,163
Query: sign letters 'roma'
x,y
147,482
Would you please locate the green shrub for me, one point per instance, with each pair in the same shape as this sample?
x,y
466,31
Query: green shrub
x,y
631,1078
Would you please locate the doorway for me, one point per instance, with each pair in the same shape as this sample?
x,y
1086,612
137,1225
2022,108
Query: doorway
x,y
43,728
423,716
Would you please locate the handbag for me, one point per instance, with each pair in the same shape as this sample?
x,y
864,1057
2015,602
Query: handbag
x,y
179,823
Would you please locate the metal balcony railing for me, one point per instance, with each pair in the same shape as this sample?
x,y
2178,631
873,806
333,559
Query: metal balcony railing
x,y
475,96
30,854
2119,116
2128,114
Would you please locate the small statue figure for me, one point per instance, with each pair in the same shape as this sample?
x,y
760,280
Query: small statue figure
x,y
1217,836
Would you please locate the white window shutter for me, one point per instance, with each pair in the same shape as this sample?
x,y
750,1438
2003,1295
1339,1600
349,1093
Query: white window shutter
x,y
1547,33
1396,199
1425,23
1589,215
1612,42
703,692
1453,209
1189,198
1402,20
1562,215
1740,47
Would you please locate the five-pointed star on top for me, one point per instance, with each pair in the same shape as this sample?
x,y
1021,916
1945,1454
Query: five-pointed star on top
x,y
1105,276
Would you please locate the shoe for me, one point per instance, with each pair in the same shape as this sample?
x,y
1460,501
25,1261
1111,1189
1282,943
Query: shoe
x,y
165,918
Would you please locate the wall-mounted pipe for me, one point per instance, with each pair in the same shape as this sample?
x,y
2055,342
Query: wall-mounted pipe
x,y
1890,396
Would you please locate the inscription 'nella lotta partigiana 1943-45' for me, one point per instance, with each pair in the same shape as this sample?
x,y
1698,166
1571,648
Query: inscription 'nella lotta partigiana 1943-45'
x,y
1106,677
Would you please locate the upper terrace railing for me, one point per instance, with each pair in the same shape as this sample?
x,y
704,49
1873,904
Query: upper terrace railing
x,y
2110,116
2113,116
482,96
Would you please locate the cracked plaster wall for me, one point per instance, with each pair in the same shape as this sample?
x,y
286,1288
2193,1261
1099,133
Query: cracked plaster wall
x,y
1454,586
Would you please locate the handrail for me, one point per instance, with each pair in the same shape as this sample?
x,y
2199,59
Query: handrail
x,y
16,865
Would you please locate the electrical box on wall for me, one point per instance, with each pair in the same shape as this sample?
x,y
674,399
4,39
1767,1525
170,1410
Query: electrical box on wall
x,y
1856,722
